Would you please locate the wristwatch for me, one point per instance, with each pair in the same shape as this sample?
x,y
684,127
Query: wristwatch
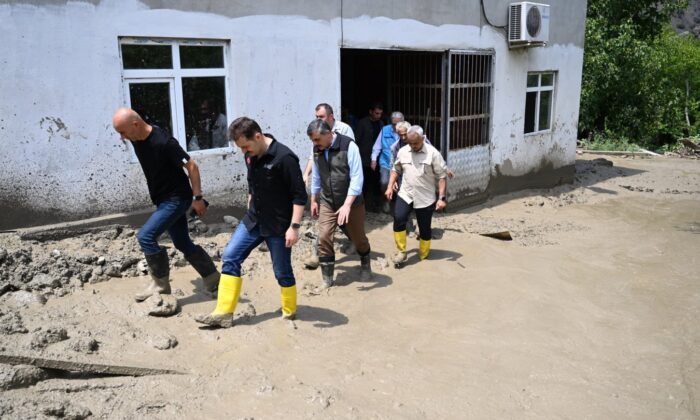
x,y
198,197
443,198
296,225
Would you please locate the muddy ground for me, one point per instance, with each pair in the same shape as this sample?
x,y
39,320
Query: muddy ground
x,y
590,312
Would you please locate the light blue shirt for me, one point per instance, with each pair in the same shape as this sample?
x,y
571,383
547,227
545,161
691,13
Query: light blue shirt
x,y
354,163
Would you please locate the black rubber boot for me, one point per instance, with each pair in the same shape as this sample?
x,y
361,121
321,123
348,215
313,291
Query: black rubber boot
x,y
365,268
159,269
327,269
203,264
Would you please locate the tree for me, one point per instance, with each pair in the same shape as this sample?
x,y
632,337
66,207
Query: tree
x,y
634,73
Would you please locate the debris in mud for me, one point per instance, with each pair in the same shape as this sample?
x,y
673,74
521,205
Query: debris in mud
x,y
602,162
162,305
11,323
503,235
22,298
20,376
66,410
638,189
164,342
43,338
93,368
85,345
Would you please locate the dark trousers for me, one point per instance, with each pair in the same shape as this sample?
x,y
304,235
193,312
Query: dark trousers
x,y
424,217
370,188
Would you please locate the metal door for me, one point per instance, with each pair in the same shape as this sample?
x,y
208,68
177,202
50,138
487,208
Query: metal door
x,y
416,88
468,84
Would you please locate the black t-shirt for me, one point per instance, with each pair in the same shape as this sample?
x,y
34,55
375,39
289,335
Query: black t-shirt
x,y
162,159
275,184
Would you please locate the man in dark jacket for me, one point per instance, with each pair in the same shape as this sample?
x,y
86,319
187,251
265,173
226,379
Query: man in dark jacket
x,y
162,160
276,200
368,129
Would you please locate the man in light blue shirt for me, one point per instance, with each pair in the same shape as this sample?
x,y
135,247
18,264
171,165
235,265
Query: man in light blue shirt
x,y
336,196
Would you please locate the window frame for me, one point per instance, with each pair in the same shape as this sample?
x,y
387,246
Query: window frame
x,y
539,89
174,76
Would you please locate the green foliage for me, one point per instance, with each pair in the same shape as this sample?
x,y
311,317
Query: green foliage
x,y
608,142
637,72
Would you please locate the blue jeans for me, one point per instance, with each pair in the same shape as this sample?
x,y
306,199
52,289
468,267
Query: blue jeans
x,y
243,242
169,216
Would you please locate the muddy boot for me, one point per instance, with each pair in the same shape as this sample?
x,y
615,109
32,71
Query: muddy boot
x,y
365,268
400,257
229,292
159,269
327,269
203,264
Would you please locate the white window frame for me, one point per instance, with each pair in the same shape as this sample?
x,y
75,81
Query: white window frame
x,y
539,89
174,76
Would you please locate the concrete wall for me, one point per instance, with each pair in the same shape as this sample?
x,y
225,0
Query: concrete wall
x,y
60,75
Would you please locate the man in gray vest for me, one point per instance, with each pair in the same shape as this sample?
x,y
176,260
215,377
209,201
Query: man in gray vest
x,y
336,196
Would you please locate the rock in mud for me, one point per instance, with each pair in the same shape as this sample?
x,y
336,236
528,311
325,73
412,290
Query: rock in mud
x,y
23,298
164,342
113,270
20,376
11,323
85,345
230,220
162,305
44,281
66,410
43,338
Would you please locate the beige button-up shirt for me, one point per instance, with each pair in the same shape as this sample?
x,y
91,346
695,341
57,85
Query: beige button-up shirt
x,y
420,172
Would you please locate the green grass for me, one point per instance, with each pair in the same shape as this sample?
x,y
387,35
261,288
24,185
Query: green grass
x,y
610,145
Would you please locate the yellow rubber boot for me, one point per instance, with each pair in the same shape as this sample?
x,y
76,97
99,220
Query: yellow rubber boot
x,y
288,296
400,239
400,256
424,249
227,298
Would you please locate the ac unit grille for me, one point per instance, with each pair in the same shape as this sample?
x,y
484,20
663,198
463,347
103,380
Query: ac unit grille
x,y
534,21
515,29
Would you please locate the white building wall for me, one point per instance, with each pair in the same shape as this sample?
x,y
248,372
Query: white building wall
x,y
60,78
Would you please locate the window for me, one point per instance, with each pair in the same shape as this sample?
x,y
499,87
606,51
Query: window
x,y
539,102
180,86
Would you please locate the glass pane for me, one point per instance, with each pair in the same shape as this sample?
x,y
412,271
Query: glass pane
x,y
545,110
193,57
147,56
547,79
530,101
205,112
152,102
533,80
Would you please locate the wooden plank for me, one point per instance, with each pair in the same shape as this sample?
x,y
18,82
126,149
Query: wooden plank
x,y
84,367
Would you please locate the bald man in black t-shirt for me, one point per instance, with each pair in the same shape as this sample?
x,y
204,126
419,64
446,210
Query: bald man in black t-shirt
x,y
162,160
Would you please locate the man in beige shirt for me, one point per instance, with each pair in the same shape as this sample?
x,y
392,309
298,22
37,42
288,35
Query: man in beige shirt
x,y
421,166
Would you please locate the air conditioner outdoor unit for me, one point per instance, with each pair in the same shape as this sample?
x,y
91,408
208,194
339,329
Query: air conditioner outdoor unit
x,y
528,24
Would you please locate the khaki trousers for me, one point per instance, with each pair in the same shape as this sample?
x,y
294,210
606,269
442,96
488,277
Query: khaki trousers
x,y
327,224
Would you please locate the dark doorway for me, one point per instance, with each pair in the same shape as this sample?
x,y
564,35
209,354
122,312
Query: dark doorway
x,y
406,81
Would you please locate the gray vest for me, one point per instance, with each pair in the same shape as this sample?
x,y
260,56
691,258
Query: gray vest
x,y
335,173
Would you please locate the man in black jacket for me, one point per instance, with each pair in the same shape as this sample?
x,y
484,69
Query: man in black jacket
x,y
368,129
276,200
162,160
